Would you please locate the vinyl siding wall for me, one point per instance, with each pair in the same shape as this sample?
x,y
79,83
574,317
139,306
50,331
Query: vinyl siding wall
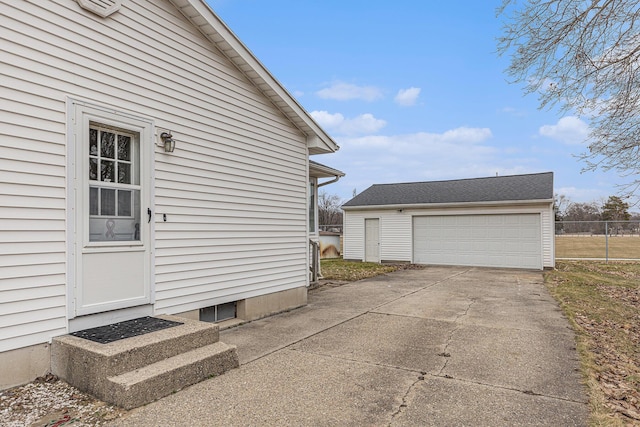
x,y
234,191
396,235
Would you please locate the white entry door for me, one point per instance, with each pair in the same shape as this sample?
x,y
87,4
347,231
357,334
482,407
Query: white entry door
x,y
372,240
113,214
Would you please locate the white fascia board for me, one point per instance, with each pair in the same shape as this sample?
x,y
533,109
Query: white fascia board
x,y
322,171
204,18
451,205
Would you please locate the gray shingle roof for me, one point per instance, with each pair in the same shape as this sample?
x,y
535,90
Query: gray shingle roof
x,y
537,186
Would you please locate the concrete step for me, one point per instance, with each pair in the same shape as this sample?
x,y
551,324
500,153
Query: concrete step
x,y
88,357
144,385
107,370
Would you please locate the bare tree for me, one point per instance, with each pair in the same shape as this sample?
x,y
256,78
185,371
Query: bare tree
x,y
560,204
582,55
329,211
579,217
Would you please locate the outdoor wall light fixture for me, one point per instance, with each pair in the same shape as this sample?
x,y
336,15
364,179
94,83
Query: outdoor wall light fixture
x,y
168,142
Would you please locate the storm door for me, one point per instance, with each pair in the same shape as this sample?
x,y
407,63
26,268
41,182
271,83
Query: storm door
x,y
113,216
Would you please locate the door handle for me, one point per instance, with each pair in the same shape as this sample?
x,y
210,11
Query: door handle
x,y
149,213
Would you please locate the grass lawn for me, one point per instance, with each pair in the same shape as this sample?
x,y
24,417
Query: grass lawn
x,y
602,302
594,247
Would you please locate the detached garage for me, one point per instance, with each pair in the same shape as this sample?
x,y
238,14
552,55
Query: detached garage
x,y
502,221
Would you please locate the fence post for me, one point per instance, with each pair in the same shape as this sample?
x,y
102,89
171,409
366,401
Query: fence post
x,y
606,242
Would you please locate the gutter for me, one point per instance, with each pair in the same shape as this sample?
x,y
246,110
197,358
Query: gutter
x,y
336,179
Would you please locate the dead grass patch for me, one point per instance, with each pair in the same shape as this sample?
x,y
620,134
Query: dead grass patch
x,y
350,271
602,302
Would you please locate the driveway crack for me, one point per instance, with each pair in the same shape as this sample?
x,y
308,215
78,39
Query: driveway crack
x,y
445,352
405,398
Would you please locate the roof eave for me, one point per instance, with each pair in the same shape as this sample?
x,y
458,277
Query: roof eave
x,y
200,14
448,205
318,170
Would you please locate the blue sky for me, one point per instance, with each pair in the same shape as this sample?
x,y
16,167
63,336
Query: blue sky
x,y
412,91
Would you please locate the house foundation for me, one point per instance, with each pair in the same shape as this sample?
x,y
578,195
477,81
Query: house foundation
x,y
22,365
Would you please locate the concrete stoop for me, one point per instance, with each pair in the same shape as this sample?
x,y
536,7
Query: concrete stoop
x,y
135,371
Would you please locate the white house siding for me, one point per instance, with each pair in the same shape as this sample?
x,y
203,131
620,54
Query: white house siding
x,y
547,219
353,235
396,234
233,191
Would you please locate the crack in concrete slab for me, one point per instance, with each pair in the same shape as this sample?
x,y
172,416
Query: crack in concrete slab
x,y
404,404
444,353
506,388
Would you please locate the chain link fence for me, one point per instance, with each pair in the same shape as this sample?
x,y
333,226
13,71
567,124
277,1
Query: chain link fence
x,y
598,240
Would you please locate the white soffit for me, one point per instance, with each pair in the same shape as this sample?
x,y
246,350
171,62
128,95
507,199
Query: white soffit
x,y
102,8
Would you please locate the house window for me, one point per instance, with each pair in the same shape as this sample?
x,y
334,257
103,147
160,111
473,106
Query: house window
x,y
114,184
312,207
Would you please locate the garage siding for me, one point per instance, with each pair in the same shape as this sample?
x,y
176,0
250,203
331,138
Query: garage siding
x,y
395,232
547,217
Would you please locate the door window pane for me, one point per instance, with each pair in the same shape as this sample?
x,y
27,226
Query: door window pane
x,y
93,142
107,168
124,147
124,173
93,201
107,144
93,169
107,201
124,203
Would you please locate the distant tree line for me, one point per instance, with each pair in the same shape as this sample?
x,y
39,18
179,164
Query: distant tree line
x,y
589,217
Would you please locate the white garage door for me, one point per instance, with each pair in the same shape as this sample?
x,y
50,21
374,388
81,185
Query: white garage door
x,y
478,240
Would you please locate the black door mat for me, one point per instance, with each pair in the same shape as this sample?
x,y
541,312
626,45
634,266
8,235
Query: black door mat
x,y
122,330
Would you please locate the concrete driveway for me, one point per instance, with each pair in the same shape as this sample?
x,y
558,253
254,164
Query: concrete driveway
x,y
442,346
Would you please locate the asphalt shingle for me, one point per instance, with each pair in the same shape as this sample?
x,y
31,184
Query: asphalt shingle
x,y
537,186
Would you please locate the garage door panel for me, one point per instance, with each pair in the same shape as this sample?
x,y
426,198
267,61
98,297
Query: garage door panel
x,y
478,240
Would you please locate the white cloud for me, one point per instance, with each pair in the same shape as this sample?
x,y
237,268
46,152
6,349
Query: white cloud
x,y
581,195
467,135
569,130
298,93
407,97
458,138
464,152
345,91
512,112
457,153
326,119
362,124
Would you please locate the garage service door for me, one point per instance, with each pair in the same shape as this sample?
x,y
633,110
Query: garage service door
x,y
478,240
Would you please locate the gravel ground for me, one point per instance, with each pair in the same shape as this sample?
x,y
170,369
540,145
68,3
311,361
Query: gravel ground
x,y
50,402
